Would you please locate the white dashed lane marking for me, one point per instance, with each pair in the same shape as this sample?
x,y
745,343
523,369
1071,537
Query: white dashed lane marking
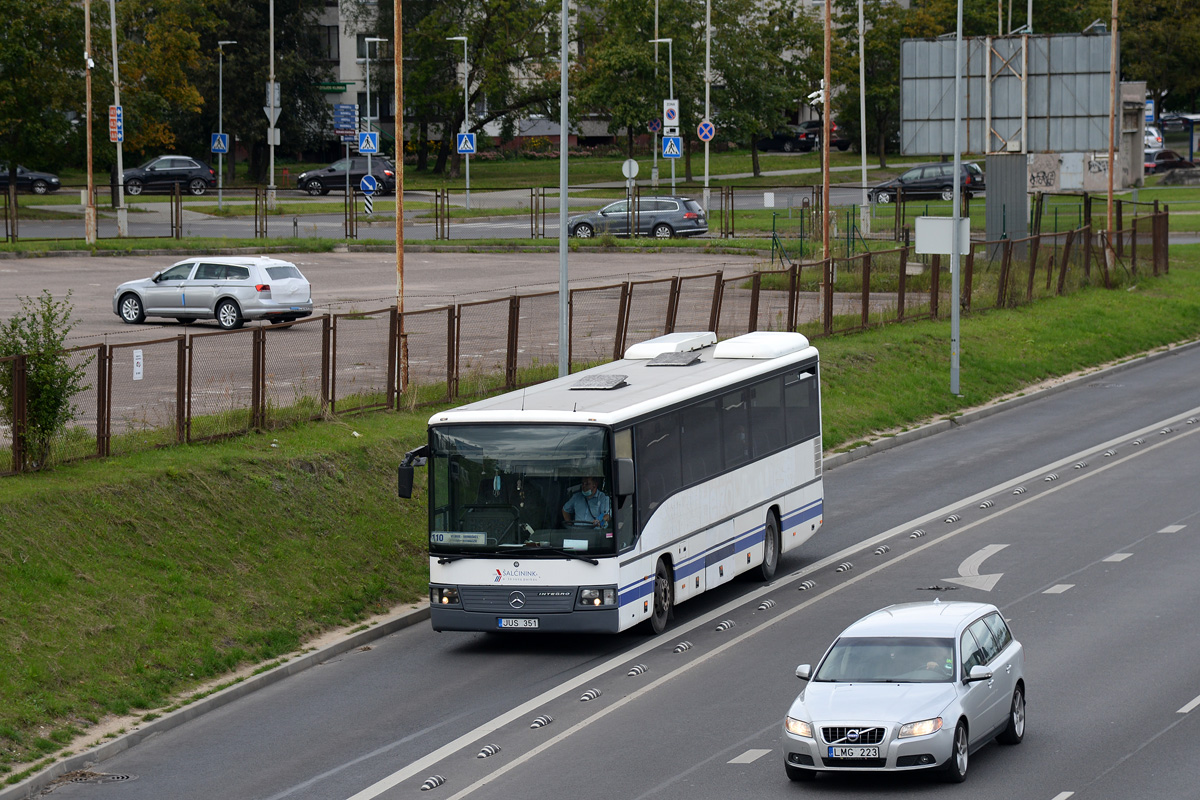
x,y
1190,706
749,757
1173,529
1118,556
1062,587
1062,795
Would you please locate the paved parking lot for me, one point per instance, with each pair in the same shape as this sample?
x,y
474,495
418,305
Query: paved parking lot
x,y
344,281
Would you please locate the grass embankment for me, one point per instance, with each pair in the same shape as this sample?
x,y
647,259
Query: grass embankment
x,y
126,582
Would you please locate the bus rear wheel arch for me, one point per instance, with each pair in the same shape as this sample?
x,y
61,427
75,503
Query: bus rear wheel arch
x,y
664,597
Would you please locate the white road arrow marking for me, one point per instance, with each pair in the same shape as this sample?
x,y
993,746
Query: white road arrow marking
x,y
968,570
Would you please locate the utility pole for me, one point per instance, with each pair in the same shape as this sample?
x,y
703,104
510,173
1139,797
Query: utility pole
x,y
825,87
122,212
89,209
398,63
1110,255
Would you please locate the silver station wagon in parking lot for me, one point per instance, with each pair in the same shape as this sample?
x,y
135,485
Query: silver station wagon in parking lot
x,y
660,217
909,687
230,290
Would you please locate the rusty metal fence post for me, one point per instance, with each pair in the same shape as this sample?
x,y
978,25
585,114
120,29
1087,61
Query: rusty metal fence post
x,y
20,421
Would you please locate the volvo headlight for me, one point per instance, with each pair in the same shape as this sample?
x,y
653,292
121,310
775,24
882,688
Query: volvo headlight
x,y
922,728
798,727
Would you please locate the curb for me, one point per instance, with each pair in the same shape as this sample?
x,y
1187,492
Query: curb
x,y
32,786
101,752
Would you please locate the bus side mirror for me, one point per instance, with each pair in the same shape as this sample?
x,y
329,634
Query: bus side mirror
x,y
404,481
624,477
405,472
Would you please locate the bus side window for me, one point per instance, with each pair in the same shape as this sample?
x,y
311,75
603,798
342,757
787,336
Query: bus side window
x,y
803,409
735,428
658,476
700,442
766,417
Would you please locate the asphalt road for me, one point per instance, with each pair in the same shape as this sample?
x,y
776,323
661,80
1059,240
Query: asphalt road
x,y
1096,573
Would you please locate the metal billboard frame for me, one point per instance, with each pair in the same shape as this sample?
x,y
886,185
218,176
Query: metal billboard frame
x,y
1022,94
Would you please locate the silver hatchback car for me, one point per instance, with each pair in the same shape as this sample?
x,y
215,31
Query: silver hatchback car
x,y
909,687
230,290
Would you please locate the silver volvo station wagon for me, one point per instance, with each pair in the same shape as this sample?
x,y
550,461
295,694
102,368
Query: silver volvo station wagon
x,y
917,686
230,290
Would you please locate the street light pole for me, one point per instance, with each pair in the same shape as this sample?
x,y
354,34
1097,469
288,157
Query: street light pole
x,y
89,208
654,167
367,43
220,118
671,88
466,112
707,87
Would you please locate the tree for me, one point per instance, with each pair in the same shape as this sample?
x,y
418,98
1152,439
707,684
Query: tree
x,y
887,23
38,331
41,80
765,54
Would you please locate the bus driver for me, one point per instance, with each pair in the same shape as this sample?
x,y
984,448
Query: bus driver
x,y
589,507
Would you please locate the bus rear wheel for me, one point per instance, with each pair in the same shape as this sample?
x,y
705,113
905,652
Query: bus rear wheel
x,y
664,593
771,545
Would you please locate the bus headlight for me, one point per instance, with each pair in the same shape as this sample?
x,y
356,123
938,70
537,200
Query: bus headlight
x,y
443,596
597,597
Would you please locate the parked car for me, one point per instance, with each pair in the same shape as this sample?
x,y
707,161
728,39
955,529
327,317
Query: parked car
x,y
909,687
321,181
1159,161
789,139
30,181
1153,138
929,180
161,173
661,217
837,138
229,289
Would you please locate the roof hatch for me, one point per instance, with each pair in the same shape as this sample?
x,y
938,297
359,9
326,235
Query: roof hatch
x,y
671,343
761,344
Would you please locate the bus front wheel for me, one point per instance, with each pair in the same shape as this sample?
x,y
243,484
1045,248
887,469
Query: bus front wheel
x,y
771,545
664,593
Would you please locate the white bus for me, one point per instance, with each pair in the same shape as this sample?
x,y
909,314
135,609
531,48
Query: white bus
x,y
704,459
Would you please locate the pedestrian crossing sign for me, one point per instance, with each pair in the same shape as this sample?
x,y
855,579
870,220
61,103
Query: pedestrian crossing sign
x,y
672,147
368,143
466,143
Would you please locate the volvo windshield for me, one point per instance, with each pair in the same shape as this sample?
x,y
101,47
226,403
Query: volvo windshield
x,y
528,489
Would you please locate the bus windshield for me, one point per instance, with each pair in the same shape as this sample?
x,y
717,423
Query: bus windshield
x,y
502,489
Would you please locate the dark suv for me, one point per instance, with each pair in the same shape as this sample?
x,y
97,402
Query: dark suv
x,y
320,181
661,217
813,129
929,180
163,172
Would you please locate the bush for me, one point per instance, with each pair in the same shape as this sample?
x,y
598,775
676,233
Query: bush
x,y
38,331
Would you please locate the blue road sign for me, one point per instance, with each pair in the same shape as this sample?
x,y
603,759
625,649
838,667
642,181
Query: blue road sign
x,y
706,131
368,143
672,147
368,184
345,118
466,143
655,125
220,143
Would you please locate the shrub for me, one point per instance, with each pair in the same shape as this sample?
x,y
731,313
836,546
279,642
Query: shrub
x,y
38,331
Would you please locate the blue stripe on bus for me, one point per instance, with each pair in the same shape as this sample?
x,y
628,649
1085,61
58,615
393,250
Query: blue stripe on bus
x,y
644,587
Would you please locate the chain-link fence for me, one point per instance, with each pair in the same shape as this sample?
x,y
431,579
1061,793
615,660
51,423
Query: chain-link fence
x,y
215,384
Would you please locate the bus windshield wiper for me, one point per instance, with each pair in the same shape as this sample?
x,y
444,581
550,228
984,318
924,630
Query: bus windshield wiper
x,y
449,558
558,551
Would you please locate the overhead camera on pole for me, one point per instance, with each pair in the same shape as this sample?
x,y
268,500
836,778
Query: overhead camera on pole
x,y
818,97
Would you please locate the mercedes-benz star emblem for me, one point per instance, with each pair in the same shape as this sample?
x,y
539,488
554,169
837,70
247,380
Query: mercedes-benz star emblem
x,y
517,599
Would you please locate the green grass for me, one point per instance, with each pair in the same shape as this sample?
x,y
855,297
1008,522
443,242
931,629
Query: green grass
x,y
128,581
